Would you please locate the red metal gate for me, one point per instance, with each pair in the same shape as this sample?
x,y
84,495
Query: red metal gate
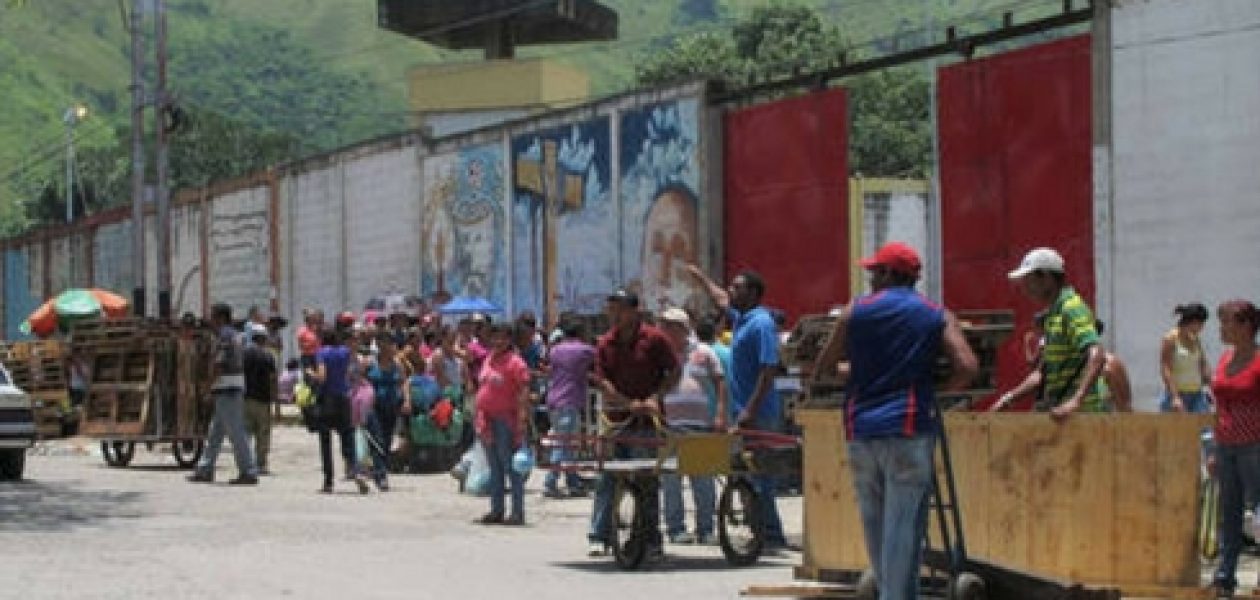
x,y
786,211
1015,174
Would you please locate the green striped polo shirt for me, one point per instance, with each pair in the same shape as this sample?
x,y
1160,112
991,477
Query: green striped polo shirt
x,y
1069,334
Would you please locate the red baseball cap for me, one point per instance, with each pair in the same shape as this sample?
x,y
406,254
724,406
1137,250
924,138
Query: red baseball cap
x,y
895,256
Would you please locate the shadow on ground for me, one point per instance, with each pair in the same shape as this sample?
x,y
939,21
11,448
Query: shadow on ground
x,y
675,564
61,506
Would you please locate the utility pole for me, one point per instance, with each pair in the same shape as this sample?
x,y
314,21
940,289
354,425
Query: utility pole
x,y
73,115
137,160
163,221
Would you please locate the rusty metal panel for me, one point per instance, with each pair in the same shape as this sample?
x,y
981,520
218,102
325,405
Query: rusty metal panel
x,y
240,249
314,227
382,224
186,260
111,260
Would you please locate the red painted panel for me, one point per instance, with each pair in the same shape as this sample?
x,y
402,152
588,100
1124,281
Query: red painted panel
x,y
1015,174
787,211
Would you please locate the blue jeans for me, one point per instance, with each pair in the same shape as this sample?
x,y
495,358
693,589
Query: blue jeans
x,y
1195,402
499,455
1238,470
564,422
703,494
767,487
228,421
893,481
601,516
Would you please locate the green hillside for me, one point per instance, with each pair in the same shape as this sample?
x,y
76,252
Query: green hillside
x,y
321,70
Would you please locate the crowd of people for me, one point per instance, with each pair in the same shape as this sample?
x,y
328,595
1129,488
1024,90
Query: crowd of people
x,y
684,372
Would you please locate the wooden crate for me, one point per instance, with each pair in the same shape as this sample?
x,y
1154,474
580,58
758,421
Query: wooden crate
x,y
1107,500
119,393
146,378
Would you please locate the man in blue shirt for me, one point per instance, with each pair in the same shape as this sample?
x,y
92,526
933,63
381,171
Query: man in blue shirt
x,y
754,364
886,345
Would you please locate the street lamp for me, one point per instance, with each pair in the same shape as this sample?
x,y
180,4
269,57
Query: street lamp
x,y
73,115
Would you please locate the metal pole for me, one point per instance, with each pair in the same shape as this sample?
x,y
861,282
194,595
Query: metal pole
x,y
137,161
1104,187
69,120
163,221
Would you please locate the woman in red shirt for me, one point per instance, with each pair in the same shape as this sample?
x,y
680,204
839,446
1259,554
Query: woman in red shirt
x,y
502,393
1236,387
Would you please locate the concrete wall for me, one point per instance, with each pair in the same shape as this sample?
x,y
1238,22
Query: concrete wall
x,y
1186,154
111,259
186,260
382,195
314,206
239,249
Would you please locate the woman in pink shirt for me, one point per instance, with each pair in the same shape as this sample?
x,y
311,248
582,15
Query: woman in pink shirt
x,y
1236,387
502,394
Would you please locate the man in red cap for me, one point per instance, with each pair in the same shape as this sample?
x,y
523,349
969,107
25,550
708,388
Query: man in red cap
x,y
886,344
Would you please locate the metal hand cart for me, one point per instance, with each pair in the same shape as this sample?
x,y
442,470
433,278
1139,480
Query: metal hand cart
x,y
733,458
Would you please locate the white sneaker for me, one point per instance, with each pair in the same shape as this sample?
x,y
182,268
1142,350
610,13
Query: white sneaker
x,y
596,549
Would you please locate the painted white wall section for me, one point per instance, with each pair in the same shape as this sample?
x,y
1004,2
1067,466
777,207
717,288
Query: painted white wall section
x,y
382,225
1187,168
240,250
186,260
316,210
111,260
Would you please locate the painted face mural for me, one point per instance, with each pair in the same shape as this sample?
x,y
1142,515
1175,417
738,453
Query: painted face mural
x,y
660,176
669,244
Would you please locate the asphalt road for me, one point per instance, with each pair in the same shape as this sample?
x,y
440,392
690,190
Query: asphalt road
x,y
78,529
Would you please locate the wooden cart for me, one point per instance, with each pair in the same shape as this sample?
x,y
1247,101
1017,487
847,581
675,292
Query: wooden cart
x,y
148,384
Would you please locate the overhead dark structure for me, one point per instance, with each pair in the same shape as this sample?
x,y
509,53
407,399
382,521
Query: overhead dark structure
x,y
498,26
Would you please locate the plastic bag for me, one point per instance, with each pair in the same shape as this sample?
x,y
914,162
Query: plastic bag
x,y
302,395
362,397
477,469
523,461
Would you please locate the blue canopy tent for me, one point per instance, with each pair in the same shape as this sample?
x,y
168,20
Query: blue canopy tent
x,y
464,305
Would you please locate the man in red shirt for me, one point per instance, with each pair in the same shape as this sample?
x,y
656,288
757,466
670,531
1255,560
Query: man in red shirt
x,y
635,366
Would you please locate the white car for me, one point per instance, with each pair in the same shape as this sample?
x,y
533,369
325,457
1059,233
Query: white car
x,y
17,427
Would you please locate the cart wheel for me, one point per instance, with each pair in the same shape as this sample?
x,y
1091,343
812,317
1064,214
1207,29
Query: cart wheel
x,y
740,530
967,586
187,452
118,454
628,527
867,586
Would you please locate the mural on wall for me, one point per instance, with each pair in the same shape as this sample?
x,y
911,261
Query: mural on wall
x,y
564,234
463,243
661,206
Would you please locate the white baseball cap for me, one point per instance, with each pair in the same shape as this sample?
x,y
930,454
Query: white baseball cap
x,y
1038,259
676,315
256,329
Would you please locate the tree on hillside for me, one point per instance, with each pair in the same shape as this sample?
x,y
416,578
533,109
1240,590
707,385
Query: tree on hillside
x,y
890,134
208,147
